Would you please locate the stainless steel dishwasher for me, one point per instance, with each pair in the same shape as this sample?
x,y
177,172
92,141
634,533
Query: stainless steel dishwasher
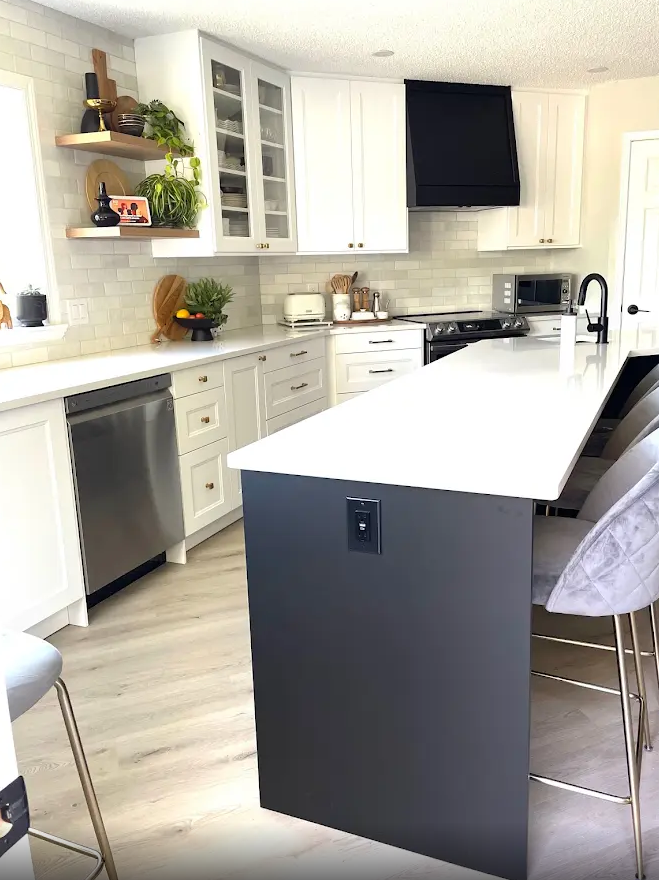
x,y
125,462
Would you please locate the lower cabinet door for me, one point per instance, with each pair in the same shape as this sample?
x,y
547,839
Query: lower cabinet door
x,y
294,386
278,423
205,485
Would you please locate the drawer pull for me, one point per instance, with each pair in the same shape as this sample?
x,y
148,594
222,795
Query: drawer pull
x,y
388,370
203,378
262,357
205,419
210,485
297,354
297,387
379,341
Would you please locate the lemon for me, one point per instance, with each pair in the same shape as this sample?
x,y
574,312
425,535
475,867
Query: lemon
x,y
183,313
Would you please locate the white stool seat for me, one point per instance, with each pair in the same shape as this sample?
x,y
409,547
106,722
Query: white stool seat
x,y
31,668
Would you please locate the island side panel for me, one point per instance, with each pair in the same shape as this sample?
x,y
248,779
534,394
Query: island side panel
x,y
392,691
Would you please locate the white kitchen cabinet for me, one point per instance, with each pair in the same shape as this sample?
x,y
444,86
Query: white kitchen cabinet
x,y
350,167
365,370
293,416
245,399
237,111
200,419
292,387
41,560
549,130
205,486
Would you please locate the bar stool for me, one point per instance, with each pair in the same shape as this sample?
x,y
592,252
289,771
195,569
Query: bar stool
x,y
648,383
32,666
605,565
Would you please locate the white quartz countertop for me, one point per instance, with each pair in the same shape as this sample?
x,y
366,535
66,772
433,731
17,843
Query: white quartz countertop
x,y
21,386
501,417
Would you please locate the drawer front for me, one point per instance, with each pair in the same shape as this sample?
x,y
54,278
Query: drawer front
x,y
341,398
278,423
200,419
292,387
293,353
379,340
205,485
194,379
365,370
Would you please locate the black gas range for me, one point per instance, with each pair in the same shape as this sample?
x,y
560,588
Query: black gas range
x,y
450,332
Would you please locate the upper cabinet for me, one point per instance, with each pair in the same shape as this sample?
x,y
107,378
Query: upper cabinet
x,y
237,111
350,175
549,130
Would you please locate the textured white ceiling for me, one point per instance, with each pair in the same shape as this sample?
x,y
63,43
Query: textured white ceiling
x,y
517,42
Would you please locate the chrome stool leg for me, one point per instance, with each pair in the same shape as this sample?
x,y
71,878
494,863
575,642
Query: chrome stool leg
x,y
655,639
640,676
633,769
104,858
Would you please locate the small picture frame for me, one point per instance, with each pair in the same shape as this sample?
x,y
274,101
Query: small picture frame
x,y
133,210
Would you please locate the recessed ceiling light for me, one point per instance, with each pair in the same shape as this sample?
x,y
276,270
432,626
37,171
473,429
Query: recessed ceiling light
x,y
383,53
597,69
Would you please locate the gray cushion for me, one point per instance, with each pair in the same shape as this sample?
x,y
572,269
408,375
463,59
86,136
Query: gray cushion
x,y
583,479
555,538
31,668
615,568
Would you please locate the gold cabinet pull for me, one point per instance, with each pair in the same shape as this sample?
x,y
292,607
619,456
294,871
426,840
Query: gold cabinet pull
x,y
351,244
542,241
361,244
297,354
203,378
205,419
266,245
550,241
210,485
259,245
297,387
263,357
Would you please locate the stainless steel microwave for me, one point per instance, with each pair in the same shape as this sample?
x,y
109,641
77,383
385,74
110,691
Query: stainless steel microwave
x,y
532,294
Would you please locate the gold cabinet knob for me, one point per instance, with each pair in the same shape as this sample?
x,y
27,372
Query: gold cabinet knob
x,y
361,244
262,357
266,246
210,485
203,378
542,241
550,240
351,244
205,419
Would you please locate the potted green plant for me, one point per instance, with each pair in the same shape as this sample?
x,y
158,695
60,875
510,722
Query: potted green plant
x,y
174,199
205,301
31,307
164,127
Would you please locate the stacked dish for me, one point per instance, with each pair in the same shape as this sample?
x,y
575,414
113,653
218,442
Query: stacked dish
x,y
234,200
131,123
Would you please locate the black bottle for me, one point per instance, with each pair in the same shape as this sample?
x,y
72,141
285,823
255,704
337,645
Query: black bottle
x,y
89,120
104,215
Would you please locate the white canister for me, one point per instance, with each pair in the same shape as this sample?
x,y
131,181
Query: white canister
x,y
341,306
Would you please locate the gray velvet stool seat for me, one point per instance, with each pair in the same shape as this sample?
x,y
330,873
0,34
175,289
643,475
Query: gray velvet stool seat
x,y
606,562
642,419
32,667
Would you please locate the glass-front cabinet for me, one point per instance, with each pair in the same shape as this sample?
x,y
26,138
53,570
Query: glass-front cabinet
x,y
248,118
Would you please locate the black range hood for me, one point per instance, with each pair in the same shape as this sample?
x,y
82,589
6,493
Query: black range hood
x,y
460,146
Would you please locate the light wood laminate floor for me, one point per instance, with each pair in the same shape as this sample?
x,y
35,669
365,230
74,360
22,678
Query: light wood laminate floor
x,y
161,683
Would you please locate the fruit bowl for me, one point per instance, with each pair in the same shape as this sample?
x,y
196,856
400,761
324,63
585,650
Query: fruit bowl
x,y
201,328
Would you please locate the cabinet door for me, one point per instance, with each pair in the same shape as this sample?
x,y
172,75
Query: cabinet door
x,y
527,222
323,164
205,486
271,103
228,95
41,561
377,113
565,137
200,419
243,383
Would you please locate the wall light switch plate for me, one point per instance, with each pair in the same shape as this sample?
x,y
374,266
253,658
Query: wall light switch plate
x,y
364,533
78,311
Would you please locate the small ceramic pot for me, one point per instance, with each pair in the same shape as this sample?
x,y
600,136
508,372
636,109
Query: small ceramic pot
x,y
104,216
341,306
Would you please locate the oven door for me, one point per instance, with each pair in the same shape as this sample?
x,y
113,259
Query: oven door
x,y
437,350
539,295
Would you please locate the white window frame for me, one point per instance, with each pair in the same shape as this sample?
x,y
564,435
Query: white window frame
x,y
54,330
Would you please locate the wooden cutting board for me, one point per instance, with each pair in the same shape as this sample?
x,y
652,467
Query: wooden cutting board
x,y
168,298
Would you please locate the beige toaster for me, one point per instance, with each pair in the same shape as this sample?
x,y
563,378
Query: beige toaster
x,y
304,307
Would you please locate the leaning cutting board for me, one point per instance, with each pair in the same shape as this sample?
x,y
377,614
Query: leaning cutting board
x,y
168,298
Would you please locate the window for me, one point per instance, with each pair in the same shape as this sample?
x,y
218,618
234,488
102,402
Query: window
x,y
25,252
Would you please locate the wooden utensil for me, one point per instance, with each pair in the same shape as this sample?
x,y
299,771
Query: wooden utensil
x,y
109,173
107,88
168,298
125,104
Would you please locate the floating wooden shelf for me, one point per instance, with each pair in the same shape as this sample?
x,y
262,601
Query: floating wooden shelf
x,y
140,232
113,143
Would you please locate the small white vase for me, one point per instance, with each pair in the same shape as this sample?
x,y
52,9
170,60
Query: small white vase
x,y
341,306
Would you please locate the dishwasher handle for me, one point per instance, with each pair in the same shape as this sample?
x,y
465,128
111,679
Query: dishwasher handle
x,y
114,394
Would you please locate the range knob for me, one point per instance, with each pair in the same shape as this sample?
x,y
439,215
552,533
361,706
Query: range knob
x,y
438,329
452,327
506,324
519,324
